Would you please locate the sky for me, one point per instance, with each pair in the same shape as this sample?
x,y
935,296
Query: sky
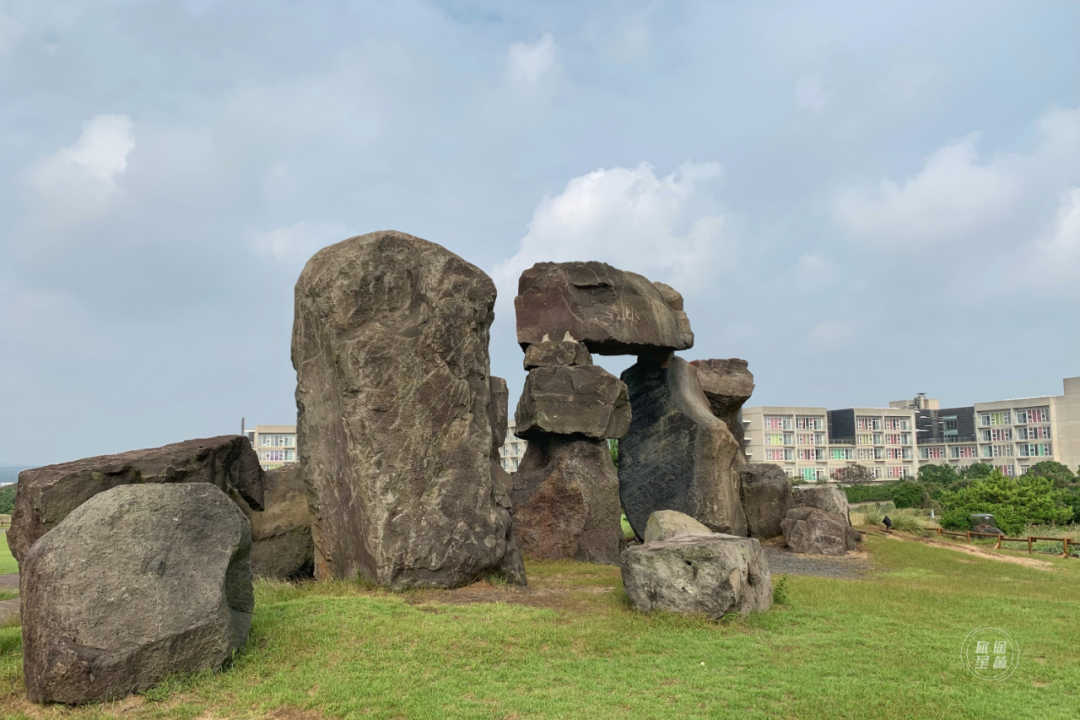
x,y
864,200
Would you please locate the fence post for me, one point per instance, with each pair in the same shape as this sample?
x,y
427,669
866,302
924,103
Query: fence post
x,y
998,547
1066,547
1029,545
969,536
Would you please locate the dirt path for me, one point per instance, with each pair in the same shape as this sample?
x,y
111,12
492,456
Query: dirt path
x,y
972,550
8,608
849,567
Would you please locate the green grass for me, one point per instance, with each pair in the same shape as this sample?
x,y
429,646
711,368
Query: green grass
x,y
7,563
627,531
887,647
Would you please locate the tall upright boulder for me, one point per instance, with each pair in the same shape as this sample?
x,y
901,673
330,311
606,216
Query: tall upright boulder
x,y
281,543
47,495
766,498
137,583
677,455
390,347
610,311
727,385
512,566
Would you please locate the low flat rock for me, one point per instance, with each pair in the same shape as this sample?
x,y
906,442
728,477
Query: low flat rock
x,y
610,311
566,501
282,546
562,353
666,524
582,400
766,498
813,531
823,497
46,495
137,583
727,385
711,575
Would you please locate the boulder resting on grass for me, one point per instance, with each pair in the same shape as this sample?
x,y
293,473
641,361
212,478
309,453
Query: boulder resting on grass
x,y
829,498
766,497
816,532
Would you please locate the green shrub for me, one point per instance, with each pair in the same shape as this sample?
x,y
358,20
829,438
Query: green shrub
x,y
909,494
873,514
780,591
868,493
905,522
944,475
1028,500
1060,474
7,499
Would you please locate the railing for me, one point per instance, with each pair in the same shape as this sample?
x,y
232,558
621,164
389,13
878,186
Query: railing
x,y
951,440
842,441
1030,540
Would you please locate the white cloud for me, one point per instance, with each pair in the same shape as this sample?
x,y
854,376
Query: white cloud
x,y
953,195
1055,258
810,94
86,175
664,227
296,244
528,65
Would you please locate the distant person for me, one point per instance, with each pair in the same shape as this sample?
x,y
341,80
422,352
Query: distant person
x,y
888,523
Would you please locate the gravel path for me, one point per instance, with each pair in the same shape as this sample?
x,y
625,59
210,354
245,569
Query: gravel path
x,y
784,562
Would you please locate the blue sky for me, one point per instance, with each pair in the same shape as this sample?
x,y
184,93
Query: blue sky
x,y
864,200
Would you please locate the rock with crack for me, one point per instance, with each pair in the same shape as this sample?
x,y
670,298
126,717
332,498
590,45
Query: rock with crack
x,y
813,531
727,385
610,311
711,575
566,500
583,400
677,455
46,495
766,498
666,524
561,353
136,584
281,543
390,347
512,566
829,498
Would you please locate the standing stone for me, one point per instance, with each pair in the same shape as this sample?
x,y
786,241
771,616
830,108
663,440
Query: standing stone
x,y
709,575
137,583
677,454
809,530
610,311
512,566
766,498
829,498
281,544
566,500
46,495
585,400
727,385
390,347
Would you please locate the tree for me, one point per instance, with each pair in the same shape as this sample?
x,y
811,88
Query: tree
x,y
7,499
976,472
944,475
1027,500
910,494
1060,474
853,475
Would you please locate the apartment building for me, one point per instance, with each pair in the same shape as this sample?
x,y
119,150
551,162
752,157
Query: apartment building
x,y
274,444
813,443
1011,435
512,450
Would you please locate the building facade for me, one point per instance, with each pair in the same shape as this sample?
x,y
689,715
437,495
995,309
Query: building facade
x,y
512,450
274,444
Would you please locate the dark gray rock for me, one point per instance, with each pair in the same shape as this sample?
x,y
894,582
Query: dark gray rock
x,y
46,495
566,500
766,498
584,400
390,346
561,353
823,497
727,385
666,524
709,575
138,582
814,531
677,455
610,311
281,542
512,567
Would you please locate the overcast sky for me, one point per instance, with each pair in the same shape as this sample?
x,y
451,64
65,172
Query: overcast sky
x,y
864,200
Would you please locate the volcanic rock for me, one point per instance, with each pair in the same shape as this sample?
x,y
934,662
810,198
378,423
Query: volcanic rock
x,y
610,311
766,498
666,524
551,353
390,346
677,455
585,400
823,497
710,575
46,495
727,384
137,583
814,531
281,543
566,500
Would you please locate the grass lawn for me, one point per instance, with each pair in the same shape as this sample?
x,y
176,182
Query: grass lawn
x,y
7,563
885,647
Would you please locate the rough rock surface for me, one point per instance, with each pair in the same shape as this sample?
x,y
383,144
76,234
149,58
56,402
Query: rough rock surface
x,y
766,498
666,524
566,500
727,384
585,400
138,582
823,497
281,544
512,566
610,311
46,495
390,346
677,455
810,530
552,353
711,575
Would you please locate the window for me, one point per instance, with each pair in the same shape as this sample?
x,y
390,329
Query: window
x,y
998,435
277,440
895,471
789,438
866,439
907,453
808,423
892,439
894,423
809,474
1033,415
894,454
951,425
932,453
819,454
866,423
879,439
1006,470
879,472
774,439
997,450
779,454
963,451
905,438
290,455
995,418
1035,450
806,438
777,423
842,454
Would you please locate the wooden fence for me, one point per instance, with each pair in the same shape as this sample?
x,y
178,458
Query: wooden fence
x,y
1001,538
